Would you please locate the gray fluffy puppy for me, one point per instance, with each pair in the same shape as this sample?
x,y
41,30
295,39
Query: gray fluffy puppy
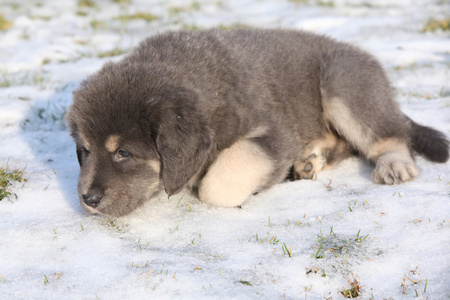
x,y
230,113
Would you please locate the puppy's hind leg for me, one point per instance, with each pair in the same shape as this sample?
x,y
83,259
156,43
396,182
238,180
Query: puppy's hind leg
x,y
394,163
358,103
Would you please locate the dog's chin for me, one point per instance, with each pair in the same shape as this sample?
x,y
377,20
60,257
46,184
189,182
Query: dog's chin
x,y
89,210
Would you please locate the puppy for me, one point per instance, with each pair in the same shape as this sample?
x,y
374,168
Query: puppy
x,y
230,113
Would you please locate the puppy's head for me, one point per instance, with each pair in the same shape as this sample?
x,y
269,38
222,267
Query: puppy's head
x,y
136,134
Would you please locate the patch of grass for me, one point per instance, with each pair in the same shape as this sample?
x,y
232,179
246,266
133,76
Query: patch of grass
x,y
192,27
114,52
7,177
44,18
287,251
404,286
299,1
443,92
245,282
314,269
136,16
142,246
6,81
340,252
234,26
274,240
174,229
321,241
413,66
34,78
86,3
82,13
353,204
355,289
326,3
176,10
58,275
4,23
96,24
416,283
132,264
195,5
434,24
271,240
360,239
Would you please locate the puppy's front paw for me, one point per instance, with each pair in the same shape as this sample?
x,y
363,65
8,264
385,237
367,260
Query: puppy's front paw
x,y
394,172
307,168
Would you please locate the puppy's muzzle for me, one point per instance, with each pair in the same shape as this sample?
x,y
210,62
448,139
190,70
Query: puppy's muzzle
x,y
92,200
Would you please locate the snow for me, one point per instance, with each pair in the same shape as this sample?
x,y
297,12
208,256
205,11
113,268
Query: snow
x,y
179,247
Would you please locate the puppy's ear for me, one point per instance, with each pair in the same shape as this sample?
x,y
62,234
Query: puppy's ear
x,y
183,140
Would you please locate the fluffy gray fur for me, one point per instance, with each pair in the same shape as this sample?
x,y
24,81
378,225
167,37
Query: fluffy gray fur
x,y
299,101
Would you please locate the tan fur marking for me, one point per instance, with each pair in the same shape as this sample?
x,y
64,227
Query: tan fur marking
x,y
112,143
387,145
345,123
155,165
237,173
257,132
312,159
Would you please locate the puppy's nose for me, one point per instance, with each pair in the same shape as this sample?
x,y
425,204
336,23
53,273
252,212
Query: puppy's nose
x,y
92,200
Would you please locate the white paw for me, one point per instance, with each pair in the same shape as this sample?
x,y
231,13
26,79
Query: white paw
x,y
389,171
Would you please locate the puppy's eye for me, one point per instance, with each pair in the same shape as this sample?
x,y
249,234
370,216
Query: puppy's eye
x,y
83,152
122,154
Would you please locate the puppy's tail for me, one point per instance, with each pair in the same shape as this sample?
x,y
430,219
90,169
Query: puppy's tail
x,y
429,142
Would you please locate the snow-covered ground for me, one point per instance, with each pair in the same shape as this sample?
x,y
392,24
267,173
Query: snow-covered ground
x,y
338,225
